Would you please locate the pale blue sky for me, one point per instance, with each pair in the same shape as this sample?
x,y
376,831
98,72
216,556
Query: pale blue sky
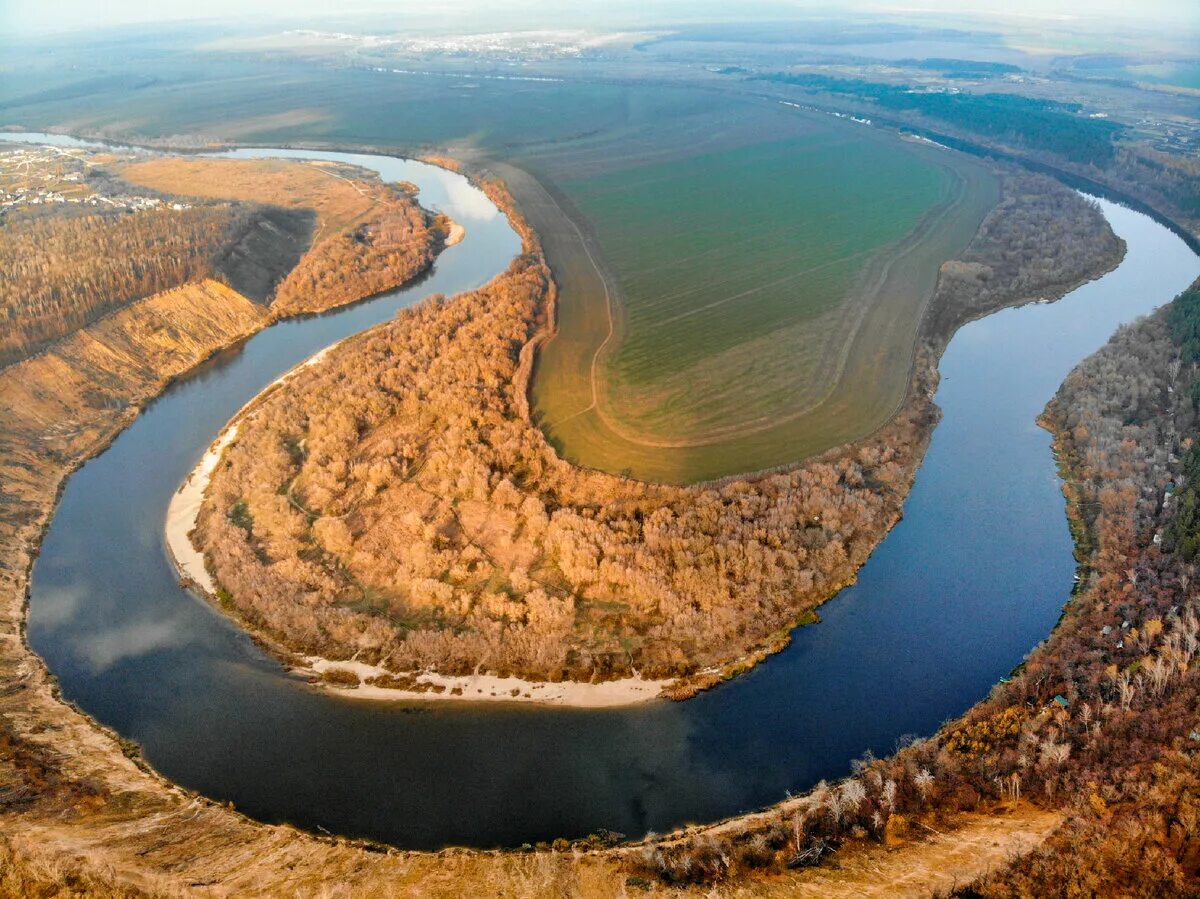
x,y
22,16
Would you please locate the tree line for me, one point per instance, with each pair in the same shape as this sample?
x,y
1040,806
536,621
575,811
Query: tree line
x,y
398,243
1040,241
63,272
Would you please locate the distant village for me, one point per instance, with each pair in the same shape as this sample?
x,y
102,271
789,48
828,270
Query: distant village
x,y
33,176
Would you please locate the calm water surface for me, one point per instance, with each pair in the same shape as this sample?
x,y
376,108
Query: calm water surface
x,y
972,578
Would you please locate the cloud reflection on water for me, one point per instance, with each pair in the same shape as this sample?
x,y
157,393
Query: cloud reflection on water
x,y
104,649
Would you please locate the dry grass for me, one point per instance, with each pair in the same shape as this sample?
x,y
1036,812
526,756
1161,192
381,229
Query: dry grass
x,y
340,201
195,851
939,864
160,336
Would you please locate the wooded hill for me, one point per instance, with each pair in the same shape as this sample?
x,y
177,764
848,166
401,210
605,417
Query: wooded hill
x,y
64,272
283,233
368,236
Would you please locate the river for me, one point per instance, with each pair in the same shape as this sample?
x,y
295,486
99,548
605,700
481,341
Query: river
x,y
973,577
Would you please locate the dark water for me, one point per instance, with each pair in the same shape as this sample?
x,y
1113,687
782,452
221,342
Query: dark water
x,y
974,576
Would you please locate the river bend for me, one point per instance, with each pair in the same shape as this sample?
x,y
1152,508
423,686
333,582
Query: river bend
x,y
972,578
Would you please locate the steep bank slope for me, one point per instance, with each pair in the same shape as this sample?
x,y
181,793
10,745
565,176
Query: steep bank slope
x,y
369,236
66,403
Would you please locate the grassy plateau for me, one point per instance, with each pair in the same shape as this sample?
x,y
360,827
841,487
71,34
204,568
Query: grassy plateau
x,y
747,306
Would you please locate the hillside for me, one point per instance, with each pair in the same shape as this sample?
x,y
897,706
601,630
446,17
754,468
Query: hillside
x,y
368,236
70,400
79,244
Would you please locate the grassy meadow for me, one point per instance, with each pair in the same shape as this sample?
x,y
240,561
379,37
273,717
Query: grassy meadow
x,y
729,248
764,298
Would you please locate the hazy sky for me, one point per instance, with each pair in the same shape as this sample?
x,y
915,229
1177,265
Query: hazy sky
x,y
23,16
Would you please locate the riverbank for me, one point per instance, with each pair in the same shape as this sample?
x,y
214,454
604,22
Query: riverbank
x,y
182,512
185,503
377,683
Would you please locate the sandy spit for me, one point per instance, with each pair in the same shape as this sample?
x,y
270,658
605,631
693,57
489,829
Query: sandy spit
x,y
184,508
490,688
457,233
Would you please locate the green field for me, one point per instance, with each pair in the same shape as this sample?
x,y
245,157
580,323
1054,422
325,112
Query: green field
x,y
249,100
764,299
726,249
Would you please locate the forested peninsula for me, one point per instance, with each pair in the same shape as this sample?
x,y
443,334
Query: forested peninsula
x,y
395,506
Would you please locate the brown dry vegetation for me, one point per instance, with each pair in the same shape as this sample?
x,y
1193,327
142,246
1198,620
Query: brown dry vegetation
x,y
369,237
65,403
1009,260
79,818
63,272
409,512
67,270
395,504
389,250
109,836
